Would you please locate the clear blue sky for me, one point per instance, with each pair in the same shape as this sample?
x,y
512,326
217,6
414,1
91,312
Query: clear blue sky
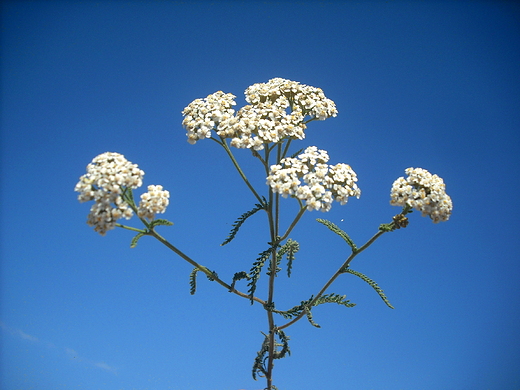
x,y
431,84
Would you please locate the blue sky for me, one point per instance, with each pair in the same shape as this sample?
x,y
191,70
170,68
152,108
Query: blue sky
x,y
431,84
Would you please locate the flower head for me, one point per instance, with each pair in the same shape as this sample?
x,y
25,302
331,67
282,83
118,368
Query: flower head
x,y
309,178
108,175
277,110
424,192
153,202
203,115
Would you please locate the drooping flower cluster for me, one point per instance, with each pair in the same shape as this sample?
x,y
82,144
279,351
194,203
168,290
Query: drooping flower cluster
x,y
309,178
153,202
107,176
424,192
277,110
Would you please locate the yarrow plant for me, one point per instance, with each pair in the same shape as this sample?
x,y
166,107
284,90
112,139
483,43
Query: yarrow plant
x,y
277,114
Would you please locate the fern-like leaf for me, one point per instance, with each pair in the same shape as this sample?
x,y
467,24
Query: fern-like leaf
x,y
339,232
334,298
309,317
259,364
133,244
254,273
238,276
293,248
160,222
372,283
304,306
240,221
193,281
288,249
284,343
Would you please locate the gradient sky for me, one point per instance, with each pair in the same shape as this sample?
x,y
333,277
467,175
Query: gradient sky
x,y
431,84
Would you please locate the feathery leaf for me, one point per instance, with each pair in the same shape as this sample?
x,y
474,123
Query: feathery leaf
x,y
254,273
238,223
133,244
193,280
339,232
371,283
238,276
160,222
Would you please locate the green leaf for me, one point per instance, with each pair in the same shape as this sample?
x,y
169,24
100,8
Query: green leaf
x,y
334,298
254,273
193,280
309,317
238,276
259,364
288,249
133,243
160,222
284,343
238,223
304,306
293,248
372,284
339,232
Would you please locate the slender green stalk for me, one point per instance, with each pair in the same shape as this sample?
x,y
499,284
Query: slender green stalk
x,y
334,277
203,269
237,166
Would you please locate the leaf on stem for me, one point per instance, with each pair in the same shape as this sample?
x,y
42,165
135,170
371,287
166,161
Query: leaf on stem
x,y
288,249
193,281
284,343
304,306
339,232
238,276
259,364
238,223
254,273
371,283
160,222
133,243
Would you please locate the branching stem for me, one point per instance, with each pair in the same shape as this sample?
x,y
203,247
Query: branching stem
x,y
334,277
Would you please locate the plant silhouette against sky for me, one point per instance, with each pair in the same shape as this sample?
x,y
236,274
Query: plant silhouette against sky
x,y
277,114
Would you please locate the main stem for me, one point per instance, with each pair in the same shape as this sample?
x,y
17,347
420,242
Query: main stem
x,y
274,218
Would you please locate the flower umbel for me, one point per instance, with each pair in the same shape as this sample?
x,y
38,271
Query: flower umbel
x,y
277,110
107,177
308,178
203,115
153,202
424,192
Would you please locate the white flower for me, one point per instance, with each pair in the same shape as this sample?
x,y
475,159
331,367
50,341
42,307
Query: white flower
x,y
203,115
424,192
106,178
276,111
153,202
322,183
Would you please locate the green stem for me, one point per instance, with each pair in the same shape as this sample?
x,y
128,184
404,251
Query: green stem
x,y
201,268
334,277
131,228
237,166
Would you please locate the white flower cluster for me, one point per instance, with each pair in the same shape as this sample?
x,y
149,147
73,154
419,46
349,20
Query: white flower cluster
x,y
153,202
266,119
424,192
309,178
106,178
203,115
